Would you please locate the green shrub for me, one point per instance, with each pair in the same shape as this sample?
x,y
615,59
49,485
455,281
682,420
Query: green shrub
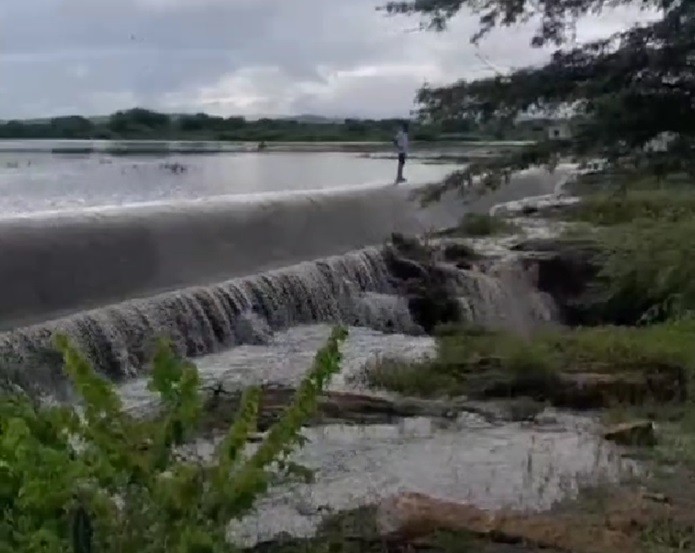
x,y
470,361
649,205
647,271
481,224
646,255
98,479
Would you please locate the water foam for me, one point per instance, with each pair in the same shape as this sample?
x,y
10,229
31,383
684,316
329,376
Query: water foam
x,y
119,338
355,289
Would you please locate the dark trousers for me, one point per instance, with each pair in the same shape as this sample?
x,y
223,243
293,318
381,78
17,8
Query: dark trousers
x,y
401,163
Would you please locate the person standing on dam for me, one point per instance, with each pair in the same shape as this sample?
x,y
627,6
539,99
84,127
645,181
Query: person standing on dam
x,y
401,143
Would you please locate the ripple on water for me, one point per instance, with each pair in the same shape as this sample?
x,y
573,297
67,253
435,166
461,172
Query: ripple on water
x,y
491,466
510,465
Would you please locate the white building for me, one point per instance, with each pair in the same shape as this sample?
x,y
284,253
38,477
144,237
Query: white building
x,y
660,142
559,131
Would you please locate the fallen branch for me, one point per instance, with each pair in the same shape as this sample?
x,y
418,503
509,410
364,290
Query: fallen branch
x,y
333,407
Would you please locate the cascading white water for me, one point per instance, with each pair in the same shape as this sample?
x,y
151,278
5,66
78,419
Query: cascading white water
x,y
119,338
503,297
355,289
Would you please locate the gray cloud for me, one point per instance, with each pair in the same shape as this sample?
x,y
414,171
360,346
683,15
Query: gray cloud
x,y
239,56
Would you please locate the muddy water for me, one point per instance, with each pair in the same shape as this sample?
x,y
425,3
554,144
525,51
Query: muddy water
x,y
493,465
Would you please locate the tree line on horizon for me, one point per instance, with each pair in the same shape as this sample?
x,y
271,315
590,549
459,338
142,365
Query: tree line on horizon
x,y
143,124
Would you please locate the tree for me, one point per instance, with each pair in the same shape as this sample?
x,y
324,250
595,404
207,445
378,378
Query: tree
x,y
138,120
622,92
72,126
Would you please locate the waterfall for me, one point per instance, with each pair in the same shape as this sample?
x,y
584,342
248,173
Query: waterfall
x,y
504,296
119,339
354,289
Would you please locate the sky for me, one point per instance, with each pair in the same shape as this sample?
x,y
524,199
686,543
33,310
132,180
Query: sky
x,y
338,58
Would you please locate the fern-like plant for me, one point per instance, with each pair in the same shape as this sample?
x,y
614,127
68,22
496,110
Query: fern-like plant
x,y
91,477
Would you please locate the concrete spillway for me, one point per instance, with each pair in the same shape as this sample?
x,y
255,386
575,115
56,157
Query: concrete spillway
x,y
52,265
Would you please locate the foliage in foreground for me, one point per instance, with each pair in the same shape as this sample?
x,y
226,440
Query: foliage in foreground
x,y
99,479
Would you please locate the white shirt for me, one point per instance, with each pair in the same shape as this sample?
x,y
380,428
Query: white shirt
x,y
402,142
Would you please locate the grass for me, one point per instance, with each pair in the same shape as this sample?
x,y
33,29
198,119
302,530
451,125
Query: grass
x,y
617,182
647,271
473,362
474,225
645,251
637,205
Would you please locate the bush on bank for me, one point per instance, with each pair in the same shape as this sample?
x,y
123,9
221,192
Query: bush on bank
x,y
666,205
481,224
646,254
95,478
469,359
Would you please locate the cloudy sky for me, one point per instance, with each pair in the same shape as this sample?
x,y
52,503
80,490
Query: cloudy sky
x,y
248,57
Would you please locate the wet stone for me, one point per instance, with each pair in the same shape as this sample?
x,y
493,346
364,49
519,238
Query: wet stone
x,y
636,433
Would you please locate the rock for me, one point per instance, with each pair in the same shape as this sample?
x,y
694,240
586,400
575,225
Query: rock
x,y
579,390
425,284
656,497
638,433
403,269
411,516
564,269
524,410
460,253
409,247
595,390
540,206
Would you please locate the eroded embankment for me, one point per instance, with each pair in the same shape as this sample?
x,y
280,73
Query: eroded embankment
x,y
60,264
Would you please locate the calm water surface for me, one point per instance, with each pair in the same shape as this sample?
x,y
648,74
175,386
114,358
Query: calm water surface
x,y
39,181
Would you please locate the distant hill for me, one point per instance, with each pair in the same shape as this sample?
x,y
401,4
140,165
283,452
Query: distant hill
x,y
307,118
314,119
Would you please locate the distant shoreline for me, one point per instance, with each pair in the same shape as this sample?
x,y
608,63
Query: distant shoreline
x,y
129,147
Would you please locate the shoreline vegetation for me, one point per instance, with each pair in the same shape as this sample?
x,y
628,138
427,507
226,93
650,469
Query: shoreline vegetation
x,y
627,356
142,124
430,151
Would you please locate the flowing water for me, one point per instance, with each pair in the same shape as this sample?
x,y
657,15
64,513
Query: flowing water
x,y
492,466
267,328
470,459
354,289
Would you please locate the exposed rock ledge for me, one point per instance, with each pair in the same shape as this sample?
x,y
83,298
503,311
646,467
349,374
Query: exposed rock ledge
x,y
411,517
413,522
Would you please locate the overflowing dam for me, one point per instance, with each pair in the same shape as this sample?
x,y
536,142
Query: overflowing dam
x,y
250,287
59,263
216,274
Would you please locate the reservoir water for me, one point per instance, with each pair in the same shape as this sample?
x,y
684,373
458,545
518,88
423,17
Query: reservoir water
x,y
35,178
